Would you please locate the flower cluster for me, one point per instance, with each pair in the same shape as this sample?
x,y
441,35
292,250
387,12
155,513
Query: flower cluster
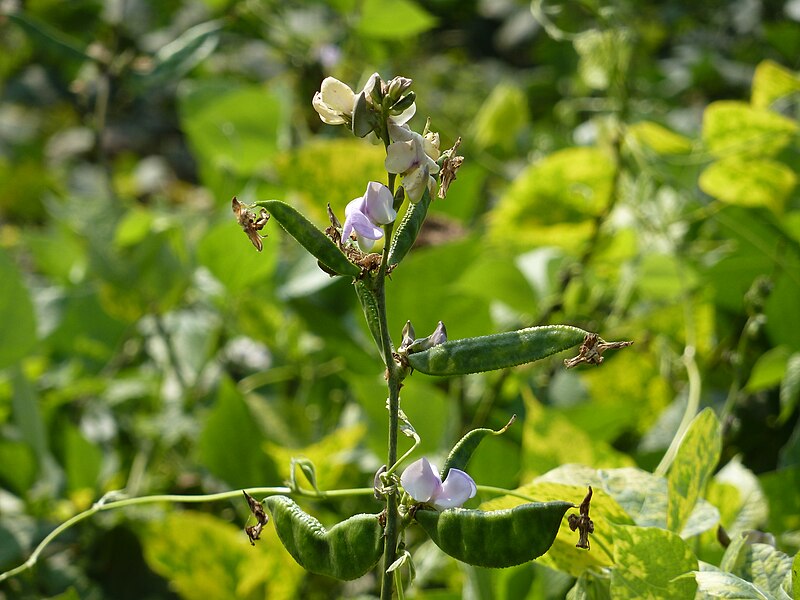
x,y
384,108
365,214
421,482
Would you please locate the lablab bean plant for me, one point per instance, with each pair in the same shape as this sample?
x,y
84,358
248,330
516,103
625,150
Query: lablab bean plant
x,y
417,173
417,493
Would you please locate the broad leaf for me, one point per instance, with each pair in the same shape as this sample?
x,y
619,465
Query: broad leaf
x,y
649,563
694,463
735,128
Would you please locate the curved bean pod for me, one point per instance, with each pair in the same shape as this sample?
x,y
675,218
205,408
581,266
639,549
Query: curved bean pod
x,y
311,238
497,351
497,539
346,551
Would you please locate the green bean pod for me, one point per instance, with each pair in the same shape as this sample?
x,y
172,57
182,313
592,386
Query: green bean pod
x,y
461,453
409,228
369,304
311,238
497,351
496,539
346,551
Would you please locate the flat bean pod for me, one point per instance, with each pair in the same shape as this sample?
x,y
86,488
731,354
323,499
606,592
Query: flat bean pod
x,y
311,238
346,551
496,539
497,351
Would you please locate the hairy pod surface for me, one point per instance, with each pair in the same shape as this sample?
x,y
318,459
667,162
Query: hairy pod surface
x,y
497,351
311,238
346,551
409,228
496,539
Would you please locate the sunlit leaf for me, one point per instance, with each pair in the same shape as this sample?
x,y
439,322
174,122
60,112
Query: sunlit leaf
x,y
205,558
393,19
502,116
735,128
649,563
749,182
658,138
772,82
694,463
552,200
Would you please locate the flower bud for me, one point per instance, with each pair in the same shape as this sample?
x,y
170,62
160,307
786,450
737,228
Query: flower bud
x,y
408,336
398,86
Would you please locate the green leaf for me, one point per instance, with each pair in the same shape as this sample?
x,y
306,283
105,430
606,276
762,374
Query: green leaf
x,y
550,439
501,117
657,138
694,463
206,558
461,453
769,369
604,56
762,564
591,586
393,19
311,238
331,455
173,60
18,467
736,128
19,322
232,129
48,37
781,308
719,584
82,460
738,494
790,388
497,351
648,564
496,539
553,201
772,82
231,259
408,229
749,182
230,442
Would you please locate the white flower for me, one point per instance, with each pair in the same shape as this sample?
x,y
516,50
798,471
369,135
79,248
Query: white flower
x,y
364,215
334,102
408,155
421,482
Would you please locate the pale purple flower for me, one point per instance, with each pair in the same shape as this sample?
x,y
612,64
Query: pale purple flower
x,y
421,482
366,214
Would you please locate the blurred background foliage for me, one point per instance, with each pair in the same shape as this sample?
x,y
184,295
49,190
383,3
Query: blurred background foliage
x,y
631,168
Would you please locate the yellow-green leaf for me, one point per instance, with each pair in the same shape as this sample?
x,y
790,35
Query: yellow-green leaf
x,y
694,463
771,82
648,564
732,128
554,200
749,182
657,138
